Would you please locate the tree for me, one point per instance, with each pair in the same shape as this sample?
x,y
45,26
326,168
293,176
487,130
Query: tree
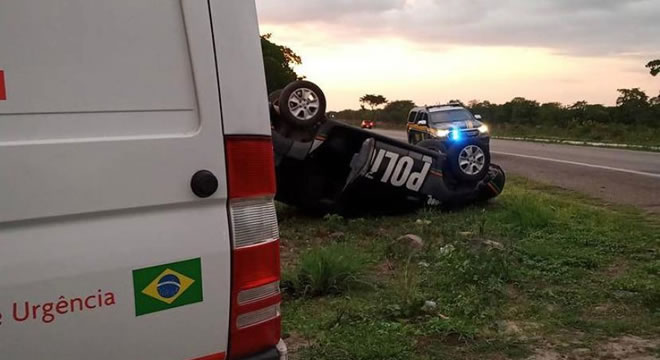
x,y
486,109
654,67
455,102
579,106
553,114
397,111
632,106
278,63
524,111
632,98
655,101
373,101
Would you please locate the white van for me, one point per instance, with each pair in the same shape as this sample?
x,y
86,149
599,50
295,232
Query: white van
x,y
136,182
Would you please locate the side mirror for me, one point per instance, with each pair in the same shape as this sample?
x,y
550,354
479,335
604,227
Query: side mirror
x,y
422,123
478,117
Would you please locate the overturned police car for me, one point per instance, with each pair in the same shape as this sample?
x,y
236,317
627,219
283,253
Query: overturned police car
x,y
325,166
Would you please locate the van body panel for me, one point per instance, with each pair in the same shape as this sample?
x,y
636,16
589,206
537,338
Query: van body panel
x,y
112,107
241,68
52,175
100,252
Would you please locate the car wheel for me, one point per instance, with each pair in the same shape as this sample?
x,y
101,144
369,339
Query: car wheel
x,y
469,161
466,162
302,103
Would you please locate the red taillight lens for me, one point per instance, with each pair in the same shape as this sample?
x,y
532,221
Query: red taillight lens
x,y
3,91
255,316
250,166
255,295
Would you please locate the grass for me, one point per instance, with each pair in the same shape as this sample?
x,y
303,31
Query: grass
x,y
331,270
538,267
599,133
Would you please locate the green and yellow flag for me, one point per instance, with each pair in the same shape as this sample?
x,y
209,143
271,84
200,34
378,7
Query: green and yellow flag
x,y
164,287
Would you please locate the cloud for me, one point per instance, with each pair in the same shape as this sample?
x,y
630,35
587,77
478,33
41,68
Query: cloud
x,y
576,27
322,10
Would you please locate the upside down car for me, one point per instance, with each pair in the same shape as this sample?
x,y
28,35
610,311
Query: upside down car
x,y
325,166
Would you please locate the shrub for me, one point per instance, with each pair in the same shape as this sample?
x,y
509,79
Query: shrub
x,y
331,270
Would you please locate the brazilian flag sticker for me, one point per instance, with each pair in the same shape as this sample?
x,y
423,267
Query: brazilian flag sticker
x,y
165,287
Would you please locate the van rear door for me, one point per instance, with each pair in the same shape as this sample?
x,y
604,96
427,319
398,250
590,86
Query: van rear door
x,y
109,109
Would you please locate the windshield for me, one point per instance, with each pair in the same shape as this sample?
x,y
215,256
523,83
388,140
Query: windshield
x,y
451,116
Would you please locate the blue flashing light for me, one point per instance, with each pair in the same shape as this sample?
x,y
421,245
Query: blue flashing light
x,y
455,135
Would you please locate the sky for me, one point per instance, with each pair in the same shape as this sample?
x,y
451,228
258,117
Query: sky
x,y
432,51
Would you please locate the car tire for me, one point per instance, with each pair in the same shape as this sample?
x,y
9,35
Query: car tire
x,y
453,154
469,161
495,185
302,104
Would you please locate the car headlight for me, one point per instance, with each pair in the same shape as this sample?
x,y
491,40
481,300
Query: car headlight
x,y
484,129
442,133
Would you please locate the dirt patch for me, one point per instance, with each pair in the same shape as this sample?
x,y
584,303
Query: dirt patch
x,y
296,342
522,330
450,339
547,354
629,348
616,270
288,253
386,268
621,348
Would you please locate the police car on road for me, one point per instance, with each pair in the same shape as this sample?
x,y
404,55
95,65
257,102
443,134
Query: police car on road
x,y
455,131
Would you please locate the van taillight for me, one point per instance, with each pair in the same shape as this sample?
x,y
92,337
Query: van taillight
x,y
251,166
255,296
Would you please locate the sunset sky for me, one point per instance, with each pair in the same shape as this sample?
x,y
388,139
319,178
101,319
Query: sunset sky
x,y
431,51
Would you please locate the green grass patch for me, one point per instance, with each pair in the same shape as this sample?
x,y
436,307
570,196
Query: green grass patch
x,y
330,270
605,133
537,266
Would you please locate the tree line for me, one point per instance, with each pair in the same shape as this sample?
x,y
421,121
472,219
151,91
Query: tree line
x,y
633,106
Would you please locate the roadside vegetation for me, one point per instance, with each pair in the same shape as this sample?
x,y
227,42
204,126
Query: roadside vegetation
x,y
539,272
597,133
635,119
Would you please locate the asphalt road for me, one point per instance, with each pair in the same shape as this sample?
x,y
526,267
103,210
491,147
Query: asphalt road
x,y
616,176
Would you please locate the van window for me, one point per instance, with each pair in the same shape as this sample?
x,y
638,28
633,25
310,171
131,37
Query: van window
x,y
412,116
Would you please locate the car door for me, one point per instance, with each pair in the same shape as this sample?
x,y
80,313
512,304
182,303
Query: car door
x,y
111,108
412,127
419,132
423,124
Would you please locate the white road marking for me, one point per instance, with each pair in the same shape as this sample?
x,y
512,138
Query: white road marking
x,y
657,176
